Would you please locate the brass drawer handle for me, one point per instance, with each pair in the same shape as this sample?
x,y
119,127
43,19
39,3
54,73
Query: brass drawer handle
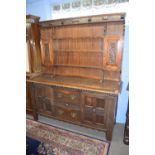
x,y
59,95
94,110
60,112
73,114
67,104
73,97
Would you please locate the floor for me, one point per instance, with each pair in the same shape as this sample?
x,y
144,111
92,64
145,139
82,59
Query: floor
x,y
117,146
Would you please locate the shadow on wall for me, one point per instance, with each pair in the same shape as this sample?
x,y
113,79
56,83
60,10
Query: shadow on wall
x,y
123,97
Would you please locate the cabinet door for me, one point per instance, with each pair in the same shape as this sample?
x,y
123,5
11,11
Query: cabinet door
x,y
28,98
93,112
112,53
100,111
47,57
44,99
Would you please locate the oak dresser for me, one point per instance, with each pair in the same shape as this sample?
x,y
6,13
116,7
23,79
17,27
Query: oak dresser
x,y
77,66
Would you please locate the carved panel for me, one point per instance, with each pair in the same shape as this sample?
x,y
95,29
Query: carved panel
x,y
43,95
47,53
44,105
112,53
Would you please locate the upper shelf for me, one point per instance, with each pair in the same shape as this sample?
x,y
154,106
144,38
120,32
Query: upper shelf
x,y
84,20
79,51
73,38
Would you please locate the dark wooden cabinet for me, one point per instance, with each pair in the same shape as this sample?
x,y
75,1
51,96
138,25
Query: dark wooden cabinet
x,y
80,71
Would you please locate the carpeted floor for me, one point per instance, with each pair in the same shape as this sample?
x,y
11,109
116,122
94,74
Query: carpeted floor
x,y
117,146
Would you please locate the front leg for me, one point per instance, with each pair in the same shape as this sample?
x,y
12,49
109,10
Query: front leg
x,y
110,116
109,134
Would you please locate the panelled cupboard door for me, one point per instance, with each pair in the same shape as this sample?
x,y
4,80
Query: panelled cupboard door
x,y
94,111
112,53
47,56
28,97
44,99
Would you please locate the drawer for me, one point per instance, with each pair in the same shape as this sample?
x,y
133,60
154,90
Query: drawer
x,y
66,96
67,114
67,105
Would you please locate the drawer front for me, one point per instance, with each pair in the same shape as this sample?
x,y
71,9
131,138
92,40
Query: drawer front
x,y
67,114
66,96
68,105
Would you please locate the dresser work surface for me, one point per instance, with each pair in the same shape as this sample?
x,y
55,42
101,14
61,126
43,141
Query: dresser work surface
x,y
109,87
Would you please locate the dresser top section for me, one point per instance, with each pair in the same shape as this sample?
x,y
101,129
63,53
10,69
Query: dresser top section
x,y
32,19
108,86
85,20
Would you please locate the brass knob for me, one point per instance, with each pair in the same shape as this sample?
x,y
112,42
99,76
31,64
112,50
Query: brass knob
x,y
59,95
73,114
73,97
67,104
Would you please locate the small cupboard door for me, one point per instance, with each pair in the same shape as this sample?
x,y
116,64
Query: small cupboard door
x,y
44,99
93,110
112,53
28,98
47,56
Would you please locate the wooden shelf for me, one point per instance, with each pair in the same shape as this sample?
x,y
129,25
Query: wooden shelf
x,y
76,38
78,66
79,51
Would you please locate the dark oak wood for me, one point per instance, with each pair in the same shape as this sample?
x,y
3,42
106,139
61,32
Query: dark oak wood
x,y
80,71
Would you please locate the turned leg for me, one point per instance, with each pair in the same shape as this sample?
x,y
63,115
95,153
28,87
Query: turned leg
x,y
35,116
110,107
109,135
